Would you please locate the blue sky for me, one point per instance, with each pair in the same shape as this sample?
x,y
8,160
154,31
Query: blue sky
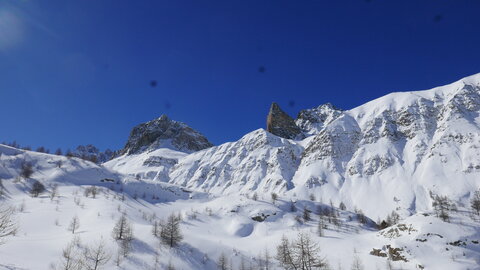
x,y
79,72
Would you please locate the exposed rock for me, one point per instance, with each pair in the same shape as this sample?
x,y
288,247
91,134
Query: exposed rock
x,y
164,133
311,121
281,124
92,153
157,161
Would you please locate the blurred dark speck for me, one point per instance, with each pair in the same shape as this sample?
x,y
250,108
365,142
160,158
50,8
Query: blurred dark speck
x,y
153,83
437,18
291,103
261,69
168,105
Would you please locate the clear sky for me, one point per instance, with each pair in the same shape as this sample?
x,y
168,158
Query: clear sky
x,y
79,72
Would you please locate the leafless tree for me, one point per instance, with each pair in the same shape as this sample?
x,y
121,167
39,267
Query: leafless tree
x,y
123,229
442,206
8,225
156,228
393,218
26,169
222,262
306,214
54,192
320,227
92,190
74,224
266,260
242,264
274,197
37,188
170,232
125,246
96,256
70,259
357,263
475,202
302,254
361,217
284,254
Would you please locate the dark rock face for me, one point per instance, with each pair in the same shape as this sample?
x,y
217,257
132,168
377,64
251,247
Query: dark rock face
x,y
281,124
90,152
164,133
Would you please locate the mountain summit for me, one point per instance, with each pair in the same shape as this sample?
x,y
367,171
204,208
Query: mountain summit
x,y
164,133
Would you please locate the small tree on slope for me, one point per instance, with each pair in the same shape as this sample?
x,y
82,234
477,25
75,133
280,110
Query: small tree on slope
x,y
170,232
475,202
7,224
302,254
123,229
26,169
70,258
96,256
74,224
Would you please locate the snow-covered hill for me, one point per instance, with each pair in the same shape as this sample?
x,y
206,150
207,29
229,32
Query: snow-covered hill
x,y
244,230
395,153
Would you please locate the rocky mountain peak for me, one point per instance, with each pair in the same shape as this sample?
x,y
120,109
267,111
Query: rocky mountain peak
x,y
281,124
164,133
311,121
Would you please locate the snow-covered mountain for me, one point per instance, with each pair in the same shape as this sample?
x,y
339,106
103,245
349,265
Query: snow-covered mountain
x,y
239,228
258,161
403,146
395,153
164,133
154,147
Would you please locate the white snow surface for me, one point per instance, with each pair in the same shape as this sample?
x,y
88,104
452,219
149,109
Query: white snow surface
x,y
388,154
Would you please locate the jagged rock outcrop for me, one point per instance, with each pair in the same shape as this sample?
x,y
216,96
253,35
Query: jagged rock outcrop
x,y
281,124
92,153
164,133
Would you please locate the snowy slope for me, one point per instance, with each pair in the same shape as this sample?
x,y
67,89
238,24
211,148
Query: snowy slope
x,y
154,165
401,146
258,161
211,225
393,153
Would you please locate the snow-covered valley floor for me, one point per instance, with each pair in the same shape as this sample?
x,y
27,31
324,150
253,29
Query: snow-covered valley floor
x,y
246,231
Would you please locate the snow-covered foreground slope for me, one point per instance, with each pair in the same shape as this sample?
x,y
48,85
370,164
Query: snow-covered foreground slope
x,y
237,226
